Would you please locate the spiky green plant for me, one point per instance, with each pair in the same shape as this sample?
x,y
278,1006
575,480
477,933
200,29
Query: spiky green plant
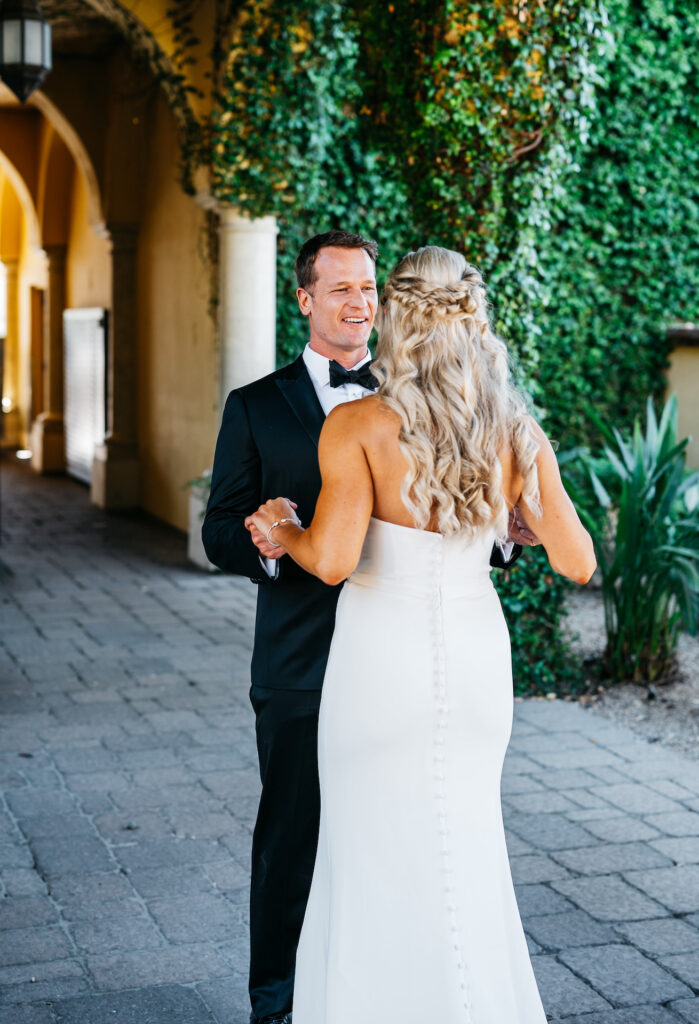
x,y
642,510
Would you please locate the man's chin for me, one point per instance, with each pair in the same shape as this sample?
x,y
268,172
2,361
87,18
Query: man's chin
x,y
354,340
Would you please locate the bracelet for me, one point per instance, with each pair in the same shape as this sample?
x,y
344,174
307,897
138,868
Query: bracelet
x,y
279,522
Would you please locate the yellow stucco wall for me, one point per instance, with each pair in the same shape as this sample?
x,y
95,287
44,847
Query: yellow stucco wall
x,y
88,261
31,274
177,348
683,380
153,15
17,248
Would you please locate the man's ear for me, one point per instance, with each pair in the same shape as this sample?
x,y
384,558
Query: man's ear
x,y
304,298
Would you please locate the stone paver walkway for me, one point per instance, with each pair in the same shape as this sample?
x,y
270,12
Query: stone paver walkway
x,y
129,791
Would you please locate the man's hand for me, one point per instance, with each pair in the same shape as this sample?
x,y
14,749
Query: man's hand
x,y
265,549
259,539
518,531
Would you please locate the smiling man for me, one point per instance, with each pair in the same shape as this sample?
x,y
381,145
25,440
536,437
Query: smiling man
x,y
268,446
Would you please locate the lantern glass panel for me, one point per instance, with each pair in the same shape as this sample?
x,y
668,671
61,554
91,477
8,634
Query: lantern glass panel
x,y
32,43
11,42
47,47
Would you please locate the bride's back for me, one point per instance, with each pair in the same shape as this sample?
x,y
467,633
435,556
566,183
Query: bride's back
x,y
378,428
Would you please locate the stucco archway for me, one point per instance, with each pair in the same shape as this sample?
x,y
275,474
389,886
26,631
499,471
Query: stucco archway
x,y
24,196
63,127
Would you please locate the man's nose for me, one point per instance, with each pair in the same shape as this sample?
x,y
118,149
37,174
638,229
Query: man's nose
x,y
358,299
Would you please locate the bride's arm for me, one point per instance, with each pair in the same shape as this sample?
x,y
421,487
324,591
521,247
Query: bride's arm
x,y
568,544
330,547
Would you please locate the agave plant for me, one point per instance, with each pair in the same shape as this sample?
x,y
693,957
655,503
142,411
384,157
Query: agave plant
x,y
642,510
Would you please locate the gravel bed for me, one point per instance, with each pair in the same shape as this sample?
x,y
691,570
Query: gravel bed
x,y
665,713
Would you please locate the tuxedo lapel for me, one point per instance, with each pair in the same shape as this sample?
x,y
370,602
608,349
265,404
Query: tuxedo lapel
x,y
296,386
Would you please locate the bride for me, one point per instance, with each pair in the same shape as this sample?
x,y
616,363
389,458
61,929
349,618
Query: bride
x,y
412,914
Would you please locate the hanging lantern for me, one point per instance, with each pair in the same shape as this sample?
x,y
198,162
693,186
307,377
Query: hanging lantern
x,y
25,46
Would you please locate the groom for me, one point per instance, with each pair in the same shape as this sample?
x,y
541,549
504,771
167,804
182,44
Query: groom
x,y
267,448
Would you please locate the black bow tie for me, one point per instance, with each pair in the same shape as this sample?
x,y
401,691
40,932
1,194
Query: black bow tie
x,y
339,376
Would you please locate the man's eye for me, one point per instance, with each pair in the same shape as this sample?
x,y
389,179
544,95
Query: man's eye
x,y
369,288
340,289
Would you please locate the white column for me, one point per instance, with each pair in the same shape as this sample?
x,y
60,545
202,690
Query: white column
x,y
247,296
10,436
48,439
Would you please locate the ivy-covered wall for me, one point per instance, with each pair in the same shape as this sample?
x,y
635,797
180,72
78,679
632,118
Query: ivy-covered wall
x,y
554,142
619,261
412,122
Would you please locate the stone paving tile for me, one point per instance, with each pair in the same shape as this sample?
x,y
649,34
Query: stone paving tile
x,y
608,898
622,829
26,945
623,975
35,982
36,1014
197,917
687,1009
685,965
172,1003
548,831
562,992
676,887
176,964
128,764
676,823
633,1015
637,799
26,912
682,851
227,998
115,931
608,857
667,935
535,868
67,856
568,929
540,899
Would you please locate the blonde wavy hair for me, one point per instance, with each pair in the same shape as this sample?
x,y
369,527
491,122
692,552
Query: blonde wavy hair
x,y
446,374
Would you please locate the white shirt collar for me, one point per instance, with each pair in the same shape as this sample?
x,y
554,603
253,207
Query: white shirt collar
x,y
318,366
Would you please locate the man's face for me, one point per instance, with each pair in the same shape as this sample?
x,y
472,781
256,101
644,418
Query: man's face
x,y
341,305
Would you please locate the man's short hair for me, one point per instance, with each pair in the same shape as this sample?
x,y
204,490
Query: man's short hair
x,y
304,265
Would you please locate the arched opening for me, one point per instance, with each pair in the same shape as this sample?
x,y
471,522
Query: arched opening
x,y
101,158
24,279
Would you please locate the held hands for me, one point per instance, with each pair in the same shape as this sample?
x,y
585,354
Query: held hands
x,y
259,523
518,531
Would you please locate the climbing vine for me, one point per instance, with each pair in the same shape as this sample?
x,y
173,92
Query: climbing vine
x,y
554,142
618,263
411,122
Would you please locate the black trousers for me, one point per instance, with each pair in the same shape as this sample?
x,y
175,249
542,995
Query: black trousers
x,y
284,841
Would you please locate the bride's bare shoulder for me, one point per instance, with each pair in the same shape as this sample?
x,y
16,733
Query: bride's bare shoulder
x,y
368,416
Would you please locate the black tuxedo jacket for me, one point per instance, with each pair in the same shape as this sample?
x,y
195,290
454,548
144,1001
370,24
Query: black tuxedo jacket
x,y
268,447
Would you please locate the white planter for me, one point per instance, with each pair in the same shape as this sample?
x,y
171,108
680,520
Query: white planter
x,y
195,548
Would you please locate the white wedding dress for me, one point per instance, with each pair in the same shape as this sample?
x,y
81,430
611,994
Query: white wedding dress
x,y
412,915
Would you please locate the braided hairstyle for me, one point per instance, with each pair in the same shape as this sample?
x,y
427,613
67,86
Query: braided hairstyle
x,y
443,370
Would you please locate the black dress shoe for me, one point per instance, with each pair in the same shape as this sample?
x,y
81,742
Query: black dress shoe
x,y
273,1018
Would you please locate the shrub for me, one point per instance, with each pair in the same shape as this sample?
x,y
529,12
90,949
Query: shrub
x,y
640,507
533,600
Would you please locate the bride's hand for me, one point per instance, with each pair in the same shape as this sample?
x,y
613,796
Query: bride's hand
x,y
272,511
519,531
